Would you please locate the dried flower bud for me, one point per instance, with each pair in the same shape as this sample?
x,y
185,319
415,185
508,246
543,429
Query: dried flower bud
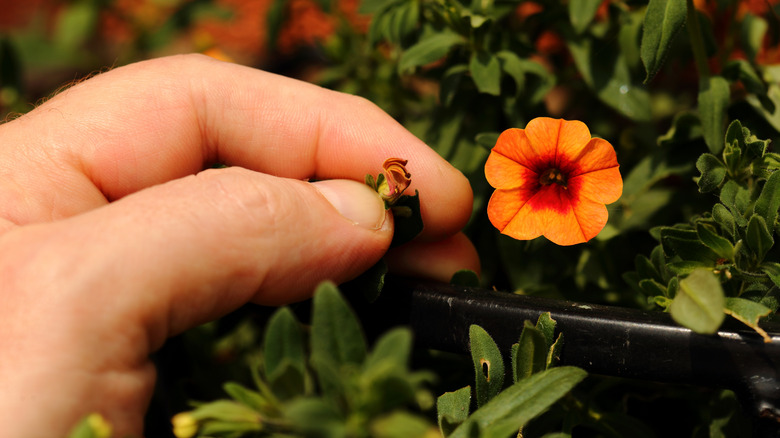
x,y
396,180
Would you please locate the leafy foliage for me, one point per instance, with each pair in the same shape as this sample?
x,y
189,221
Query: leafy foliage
x,y
336,387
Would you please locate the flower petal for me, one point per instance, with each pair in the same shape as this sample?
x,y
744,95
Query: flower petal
x,y
604,186
563,139
551,212
596,155
504,173
504,206
513,144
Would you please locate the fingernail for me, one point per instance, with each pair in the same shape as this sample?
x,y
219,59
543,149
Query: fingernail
x,y
355,201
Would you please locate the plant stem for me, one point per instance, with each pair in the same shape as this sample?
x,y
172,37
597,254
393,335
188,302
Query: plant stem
x,y
697,42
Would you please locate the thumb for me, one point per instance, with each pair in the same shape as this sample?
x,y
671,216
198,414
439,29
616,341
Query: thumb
x,y
176,255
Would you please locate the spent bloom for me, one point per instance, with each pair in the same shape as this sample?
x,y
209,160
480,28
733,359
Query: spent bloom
x,y
396,179
552,179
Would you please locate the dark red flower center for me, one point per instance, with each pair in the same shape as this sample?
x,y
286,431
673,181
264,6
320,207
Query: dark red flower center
x,y
551,176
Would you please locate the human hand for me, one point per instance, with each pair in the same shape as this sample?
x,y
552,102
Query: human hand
x,y
113,238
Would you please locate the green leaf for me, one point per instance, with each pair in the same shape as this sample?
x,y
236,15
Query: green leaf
x,y
608,74
245,396
689,249
316,417
400,424
428,50
486,72
452,409
283,343
737,199
530,356
75,25
521,402
487,140
581,13
336,335
712,172
370,7
748,312
713,101
752,34
407,219
772,269
725,219
512,65
768,201
722,246
546,325
646,269
395,347
663,20
465,277
741,70
686,127
686,267
699,302
488,364
758,237
450,83
651,287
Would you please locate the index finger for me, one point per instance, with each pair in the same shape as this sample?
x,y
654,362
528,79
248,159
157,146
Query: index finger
x,y
159,120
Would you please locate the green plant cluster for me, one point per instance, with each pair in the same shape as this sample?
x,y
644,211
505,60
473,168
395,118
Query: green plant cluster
x,y
721,262
321,380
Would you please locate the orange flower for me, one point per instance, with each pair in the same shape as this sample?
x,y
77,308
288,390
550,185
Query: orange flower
x,y
552,179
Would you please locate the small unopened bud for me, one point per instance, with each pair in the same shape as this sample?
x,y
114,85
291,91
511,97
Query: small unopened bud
x,y
184,425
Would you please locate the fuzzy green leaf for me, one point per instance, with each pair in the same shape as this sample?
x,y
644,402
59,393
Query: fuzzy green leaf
x,y
768,201
772,270
394,346
581,13
530,357
336,335
758,237
663,20
712,172
521,402
75,25
752,34
245,396
699,302
452,409
546,325
722,246
465,277
400,424
748,311
610,77
316,417
428,50
713,101
725,219
651,287
283,342
488,364
486,72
